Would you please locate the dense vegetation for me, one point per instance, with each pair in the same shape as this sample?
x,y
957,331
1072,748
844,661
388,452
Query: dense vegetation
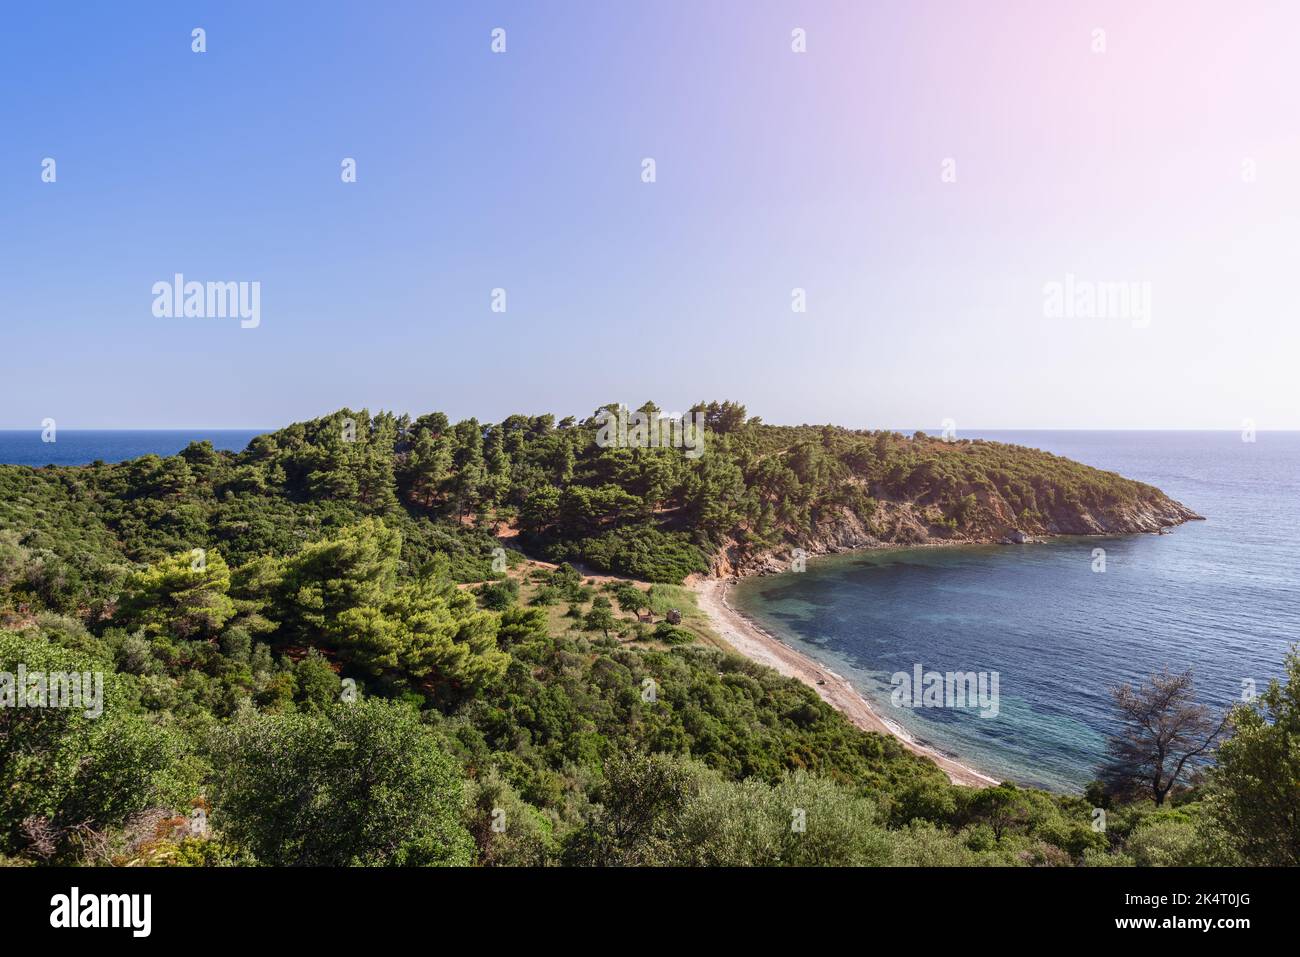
x,y
316,652
650,513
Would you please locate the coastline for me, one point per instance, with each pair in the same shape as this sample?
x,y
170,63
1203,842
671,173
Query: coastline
x,y
751,641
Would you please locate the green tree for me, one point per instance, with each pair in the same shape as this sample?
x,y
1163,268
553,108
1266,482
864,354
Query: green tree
x,y
509,832
635,820
353,569
375,470
68,772
630,598
497,468
427,468
802,820
362,784
429,631
520,625
318,685
184,596
499,595
1255,787
469,484
600,617
1004,808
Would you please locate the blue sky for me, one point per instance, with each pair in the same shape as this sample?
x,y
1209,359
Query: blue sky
x,y
775,170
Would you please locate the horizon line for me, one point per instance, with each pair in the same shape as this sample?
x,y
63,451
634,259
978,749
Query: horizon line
x,y
904,431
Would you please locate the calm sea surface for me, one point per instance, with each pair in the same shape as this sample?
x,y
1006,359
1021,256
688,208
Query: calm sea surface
x,y
1219,597
81,447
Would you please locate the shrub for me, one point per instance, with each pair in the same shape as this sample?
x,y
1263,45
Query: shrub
x,y
364,783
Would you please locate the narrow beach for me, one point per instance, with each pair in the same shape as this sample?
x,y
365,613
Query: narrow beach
x,y
756,644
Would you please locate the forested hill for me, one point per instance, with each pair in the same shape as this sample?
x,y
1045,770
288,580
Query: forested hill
x,y
748,492
290,657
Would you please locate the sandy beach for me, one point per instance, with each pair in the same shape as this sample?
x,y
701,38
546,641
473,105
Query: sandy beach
x,y
756,644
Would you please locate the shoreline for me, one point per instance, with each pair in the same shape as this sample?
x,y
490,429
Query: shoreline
x,y
756,644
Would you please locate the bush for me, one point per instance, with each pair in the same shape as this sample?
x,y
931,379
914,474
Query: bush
x,y
1163,843
499,595
800,821
508,831
63,769
672,634
364,783
642,552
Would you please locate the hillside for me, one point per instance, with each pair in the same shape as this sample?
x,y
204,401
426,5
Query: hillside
x,y
321,644
755,493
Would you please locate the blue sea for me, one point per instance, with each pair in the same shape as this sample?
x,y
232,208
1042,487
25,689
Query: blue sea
x,y
83,446
1219,597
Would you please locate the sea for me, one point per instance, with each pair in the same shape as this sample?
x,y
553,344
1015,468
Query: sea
x,y
84,446
1060,623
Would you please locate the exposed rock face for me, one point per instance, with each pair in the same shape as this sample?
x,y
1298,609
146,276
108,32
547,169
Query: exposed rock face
x,y
907,523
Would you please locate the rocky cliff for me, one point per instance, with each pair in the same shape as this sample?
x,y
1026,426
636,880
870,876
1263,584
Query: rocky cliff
x,y
910,523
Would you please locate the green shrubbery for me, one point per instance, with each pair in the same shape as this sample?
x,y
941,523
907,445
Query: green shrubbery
x,y
314,680
361,783
68,536
639,552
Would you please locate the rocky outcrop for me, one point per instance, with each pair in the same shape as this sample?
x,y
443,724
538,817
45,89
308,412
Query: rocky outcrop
x,y
897,524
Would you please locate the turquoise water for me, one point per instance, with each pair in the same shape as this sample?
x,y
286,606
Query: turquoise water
x,y
83,446
1219,597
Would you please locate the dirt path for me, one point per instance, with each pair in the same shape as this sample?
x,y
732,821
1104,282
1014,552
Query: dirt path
x,y
754,643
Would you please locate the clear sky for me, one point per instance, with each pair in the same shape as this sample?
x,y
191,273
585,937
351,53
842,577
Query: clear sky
x,y
1171,159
